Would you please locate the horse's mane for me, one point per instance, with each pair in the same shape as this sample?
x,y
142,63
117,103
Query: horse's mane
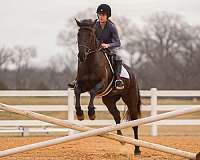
x,y
87,22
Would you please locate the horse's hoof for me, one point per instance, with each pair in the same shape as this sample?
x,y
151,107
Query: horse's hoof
x,y
91,113
80,118
92,117
123,143
119,132
137,153
80,115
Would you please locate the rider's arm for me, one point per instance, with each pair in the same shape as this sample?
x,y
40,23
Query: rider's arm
x,y
115,38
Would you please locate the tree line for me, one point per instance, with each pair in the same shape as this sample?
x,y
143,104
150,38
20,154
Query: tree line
x,y
164,53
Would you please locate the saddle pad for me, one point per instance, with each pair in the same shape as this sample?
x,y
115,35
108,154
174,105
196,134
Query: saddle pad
x,y
124,73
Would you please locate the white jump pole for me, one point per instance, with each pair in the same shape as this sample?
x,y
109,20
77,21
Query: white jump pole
x,y
97,132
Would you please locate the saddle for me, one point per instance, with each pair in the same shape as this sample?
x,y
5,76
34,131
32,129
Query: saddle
x,y
112,63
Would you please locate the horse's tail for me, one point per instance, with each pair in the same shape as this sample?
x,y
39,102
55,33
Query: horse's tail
x,y
127,114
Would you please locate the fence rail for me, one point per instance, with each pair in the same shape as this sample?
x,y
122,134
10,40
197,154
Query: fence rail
x,y
24,126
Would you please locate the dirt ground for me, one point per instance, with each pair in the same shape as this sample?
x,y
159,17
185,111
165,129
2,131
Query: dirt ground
x,y
98,148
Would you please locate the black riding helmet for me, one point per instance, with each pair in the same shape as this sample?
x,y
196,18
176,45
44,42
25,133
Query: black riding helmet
x,y
104,8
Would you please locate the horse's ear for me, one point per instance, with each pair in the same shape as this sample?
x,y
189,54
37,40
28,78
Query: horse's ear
x,y
95,21
77,22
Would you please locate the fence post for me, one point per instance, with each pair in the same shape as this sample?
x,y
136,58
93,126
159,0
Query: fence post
x,y
70,108
154,127
25,132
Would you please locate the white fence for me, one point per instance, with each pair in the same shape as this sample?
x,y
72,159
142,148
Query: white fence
x,y
26,126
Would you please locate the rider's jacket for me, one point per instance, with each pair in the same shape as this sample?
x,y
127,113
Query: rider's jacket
x,y
108,34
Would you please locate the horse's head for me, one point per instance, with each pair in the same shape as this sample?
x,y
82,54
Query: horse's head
x,y
86,38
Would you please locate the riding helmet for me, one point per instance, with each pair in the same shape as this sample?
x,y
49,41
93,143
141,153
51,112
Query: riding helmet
x,y
104,8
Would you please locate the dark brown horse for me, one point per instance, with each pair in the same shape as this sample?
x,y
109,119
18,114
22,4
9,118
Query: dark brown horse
x,y
95,74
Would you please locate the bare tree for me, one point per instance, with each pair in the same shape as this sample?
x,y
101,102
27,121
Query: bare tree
x,y
171,48
5,55
21,61
189,40
165,53
55,77
160,44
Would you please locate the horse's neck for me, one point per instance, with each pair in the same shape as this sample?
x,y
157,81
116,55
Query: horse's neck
x,y
95,59
94,67
95,46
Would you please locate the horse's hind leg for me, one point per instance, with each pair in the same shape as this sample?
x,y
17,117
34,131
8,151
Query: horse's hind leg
x,y
132,103
110,102
137,148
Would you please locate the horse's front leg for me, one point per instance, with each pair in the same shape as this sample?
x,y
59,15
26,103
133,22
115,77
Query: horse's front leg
x,y
91,108
79,111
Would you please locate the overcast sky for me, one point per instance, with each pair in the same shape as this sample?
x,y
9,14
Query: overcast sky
x,y
38,22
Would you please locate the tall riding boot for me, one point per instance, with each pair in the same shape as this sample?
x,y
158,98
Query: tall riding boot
x,y
118,82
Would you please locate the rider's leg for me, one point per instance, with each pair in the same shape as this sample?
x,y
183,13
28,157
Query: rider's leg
x,y
118,67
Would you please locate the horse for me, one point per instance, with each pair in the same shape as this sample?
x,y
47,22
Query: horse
x,y
94,75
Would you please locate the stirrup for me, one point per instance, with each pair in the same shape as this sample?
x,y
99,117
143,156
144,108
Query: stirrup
x,y
120,82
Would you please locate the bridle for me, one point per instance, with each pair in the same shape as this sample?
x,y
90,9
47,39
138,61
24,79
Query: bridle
x,y
89,50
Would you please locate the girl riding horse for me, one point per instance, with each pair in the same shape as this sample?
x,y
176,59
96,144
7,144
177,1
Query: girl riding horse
x,y
108,39
94,73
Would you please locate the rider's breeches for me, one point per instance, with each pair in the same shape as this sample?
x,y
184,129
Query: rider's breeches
x,y
117,62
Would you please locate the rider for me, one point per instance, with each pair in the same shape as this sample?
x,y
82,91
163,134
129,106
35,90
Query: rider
x,y
108,39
